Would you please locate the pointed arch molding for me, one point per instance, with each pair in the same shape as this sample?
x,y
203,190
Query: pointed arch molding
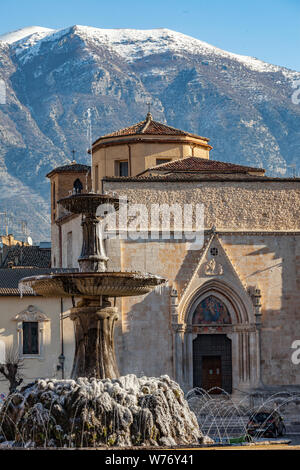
x,y
239,312
226,283
242,332
216,275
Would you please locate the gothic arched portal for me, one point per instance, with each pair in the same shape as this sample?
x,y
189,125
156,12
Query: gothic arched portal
x,y
216,344
212,355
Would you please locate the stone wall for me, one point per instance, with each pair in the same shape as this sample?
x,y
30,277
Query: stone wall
x,y
258,228
231,205
262,261
43,365
266,260
271,262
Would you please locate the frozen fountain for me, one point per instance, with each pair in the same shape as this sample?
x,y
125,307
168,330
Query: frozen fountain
x,y
96,406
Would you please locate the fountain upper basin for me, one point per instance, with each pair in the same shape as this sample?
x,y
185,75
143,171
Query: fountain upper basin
x,y
87,203
111,284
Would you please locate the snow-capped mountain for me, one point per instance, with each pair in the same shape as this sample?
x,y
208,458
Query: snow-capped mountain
x,y
20,34
52,78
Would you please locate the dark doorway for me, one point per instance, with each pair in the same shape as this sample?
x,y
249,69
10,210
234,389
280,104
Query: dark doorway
x,y
212,362
211,372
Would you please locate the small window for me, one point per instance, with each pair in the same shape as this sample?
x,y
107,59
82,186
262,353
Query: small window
x,y
30,337
121,168
160,161
214,251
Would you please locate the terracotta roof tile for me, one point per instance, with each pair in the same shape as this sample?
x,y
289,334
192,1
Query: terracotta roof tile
x,y
72,167
30,256
9,278
149,127
196,177
196,164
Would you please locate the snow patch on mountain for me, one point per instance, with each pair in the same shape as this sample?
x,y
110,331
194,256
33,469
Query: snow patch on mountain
x,y
18,35
132,44
243,105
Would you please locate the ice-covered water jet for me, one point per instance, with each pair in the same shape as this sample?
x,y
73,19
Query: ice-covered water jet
x,y
224,418
127,411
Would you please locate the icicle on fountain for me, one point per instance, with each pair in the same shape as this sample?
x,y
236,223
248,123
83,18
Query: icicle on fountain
x,y
94,316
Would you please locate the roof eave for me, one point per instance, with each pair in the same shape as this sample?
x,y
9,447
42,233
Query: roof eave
x,y
136,138
53,172
160,178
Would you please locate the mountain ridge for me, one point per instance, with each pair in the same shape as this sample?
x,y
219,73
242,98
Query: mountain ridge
x,y
115,37
54,76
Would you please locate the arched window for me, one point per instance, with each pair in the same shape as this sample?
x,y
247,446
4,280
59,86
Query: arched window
x,y
211,310
77,186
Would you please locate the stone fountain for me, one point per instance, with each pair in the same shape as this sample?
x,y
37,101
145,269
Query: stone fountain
x,y
94,316
96,407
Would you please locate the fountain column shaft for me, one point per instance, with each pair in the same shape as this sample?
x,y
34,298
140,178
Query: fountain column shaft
x,y
94,340
92,257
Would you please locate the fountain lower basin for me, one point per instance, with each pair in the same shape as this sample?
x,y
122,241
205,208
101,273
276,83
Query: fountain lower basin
x,y
109,284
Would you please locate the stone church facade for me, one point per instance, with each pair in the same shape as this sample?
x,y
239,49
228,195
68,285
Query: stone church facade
x,y
229,315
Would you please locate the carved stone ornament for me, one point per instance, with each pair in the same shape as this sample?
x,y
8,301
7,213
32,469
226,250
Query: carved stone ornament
x,y
212,268
31,313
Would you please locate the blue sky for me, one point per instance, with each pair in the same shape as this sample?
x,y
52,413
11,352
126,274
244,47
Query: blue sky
x,y
266,29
